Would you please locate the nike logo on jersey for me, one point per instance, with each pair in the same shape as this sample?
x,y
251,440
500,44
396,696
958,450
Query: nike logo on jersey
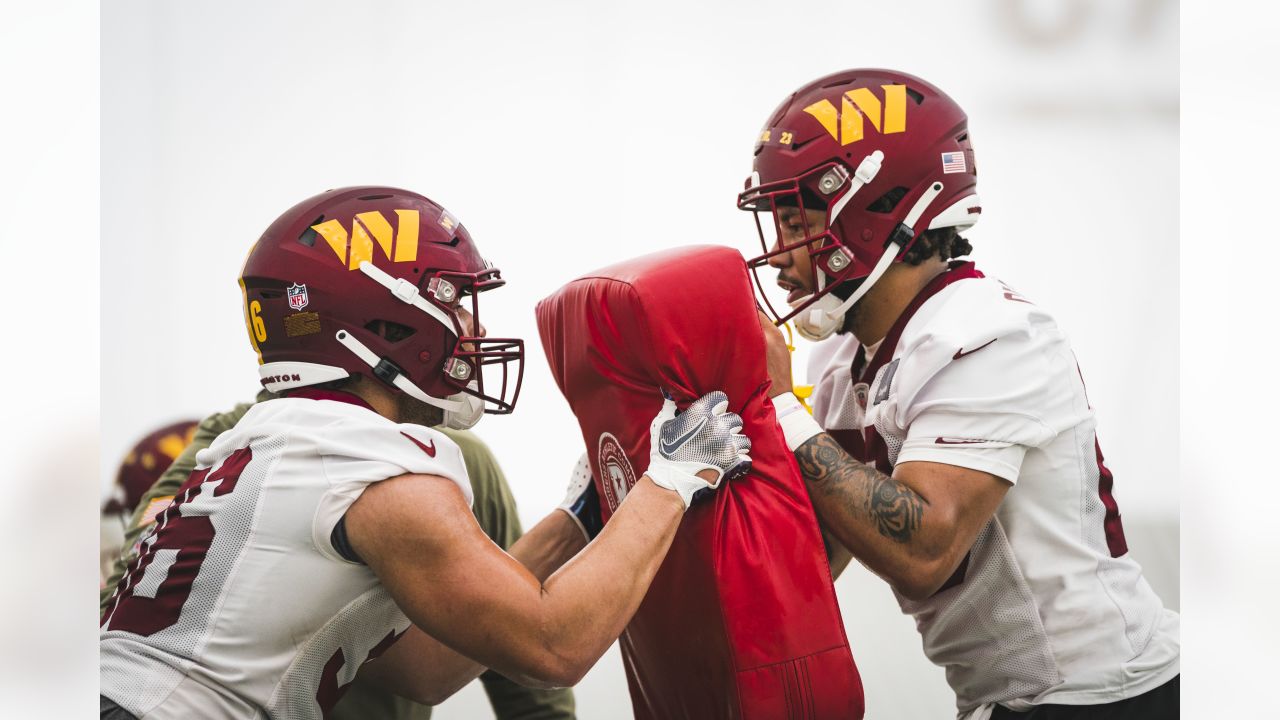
x,y
669,448
430,450
956,441
962,352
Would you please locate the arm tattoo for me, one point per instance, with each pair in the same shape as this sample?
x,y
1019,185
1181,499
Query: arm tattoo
x,y
895,508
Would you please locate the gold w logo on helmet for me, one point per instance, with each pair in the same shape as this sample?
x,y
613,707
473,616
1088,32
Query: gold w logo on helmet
x,y
846,124
400,245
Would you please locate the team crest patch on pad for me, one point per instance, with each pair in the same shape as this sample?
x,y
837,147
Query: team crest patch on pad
x,y
618,477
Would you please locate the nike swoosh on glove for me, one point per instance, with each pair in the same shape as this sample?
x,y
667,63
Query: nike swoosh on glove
x,y
704,437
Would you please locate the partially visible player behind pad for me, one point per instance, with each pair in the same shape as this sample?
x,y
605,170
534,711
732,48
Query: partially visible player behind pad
x,y
329,532
494,508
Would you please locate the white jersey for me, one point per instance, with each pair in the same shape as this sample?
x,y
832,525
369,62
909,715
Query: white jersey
x,y
239,606
1047,607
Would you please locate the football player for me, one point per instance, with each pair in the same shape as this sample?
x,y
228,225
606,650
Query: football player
x,y
952,447
332,527
142,466
147,482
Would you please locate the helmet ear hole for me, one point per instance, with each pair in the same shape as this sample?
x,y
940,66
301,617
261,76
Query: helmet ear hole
x,y
888,201
390,331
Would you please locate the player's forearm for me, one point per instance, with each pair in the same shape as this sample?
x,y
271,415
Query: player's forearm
x,y
886,524
427,671
542,551
549,545
421,668
554,631
589,601
838,556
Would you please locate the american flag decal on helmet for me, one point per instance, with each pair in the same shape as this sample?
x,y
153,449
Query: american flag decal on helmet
x,y
952,162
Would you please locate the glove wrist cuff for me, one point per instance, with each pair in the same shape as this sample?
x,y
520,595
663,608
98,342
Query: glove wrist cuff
x,y
684,484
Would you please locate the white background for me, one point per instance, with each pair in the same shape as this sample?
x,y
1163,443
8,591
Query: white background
x,y
211,119
570,136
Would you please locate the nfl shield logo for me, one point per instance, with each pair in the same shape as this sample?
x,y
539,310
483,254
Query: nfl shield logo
x,y
297,296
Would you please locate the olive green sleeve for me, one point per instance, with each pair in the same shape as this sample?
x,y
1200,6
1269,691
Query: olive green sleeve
x,y
365,700
494,506
166,487
517,702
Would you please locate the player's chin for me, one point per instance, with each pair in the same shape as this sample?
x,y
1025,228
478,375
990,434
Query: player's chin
x,y
796,295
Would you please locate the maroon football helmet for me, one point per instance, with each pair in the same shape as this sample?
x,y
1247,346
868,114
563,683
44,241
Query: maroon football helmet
x,y
885,156
370,281
145,463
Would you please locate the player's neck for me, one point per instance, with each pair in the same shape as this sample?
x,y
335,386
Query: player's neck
x,y
874,314
381,399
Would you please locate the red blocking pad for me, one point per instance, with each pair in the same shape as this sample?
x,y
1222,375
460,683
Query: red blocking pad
x,y
741,620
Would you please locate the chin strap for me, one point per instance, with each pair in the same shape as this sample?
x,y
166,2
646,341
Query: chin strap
x,y
863,175
407,293
866,172
827,314
461,410
383,370
926,198
824,318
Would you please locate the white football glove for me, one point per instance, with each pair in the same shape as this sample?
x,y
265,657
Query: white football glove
x,y
581,501
704,437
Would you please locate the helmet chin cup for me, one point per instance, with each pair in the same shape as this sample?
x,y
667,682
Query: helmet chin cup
x,y
470,410
821,319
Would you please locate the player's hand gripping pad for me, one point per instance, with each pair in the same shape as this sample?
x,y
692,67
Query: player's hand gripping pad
x,y
741,620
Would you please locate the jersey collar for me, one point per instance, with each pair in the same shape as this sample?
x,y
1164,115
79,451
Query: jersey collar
x,y
306,393
956,272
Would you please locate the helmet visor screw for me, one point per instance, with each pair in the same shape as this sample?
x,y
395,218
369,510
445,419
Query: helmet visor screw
x,y
838,261
831,180
458,369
